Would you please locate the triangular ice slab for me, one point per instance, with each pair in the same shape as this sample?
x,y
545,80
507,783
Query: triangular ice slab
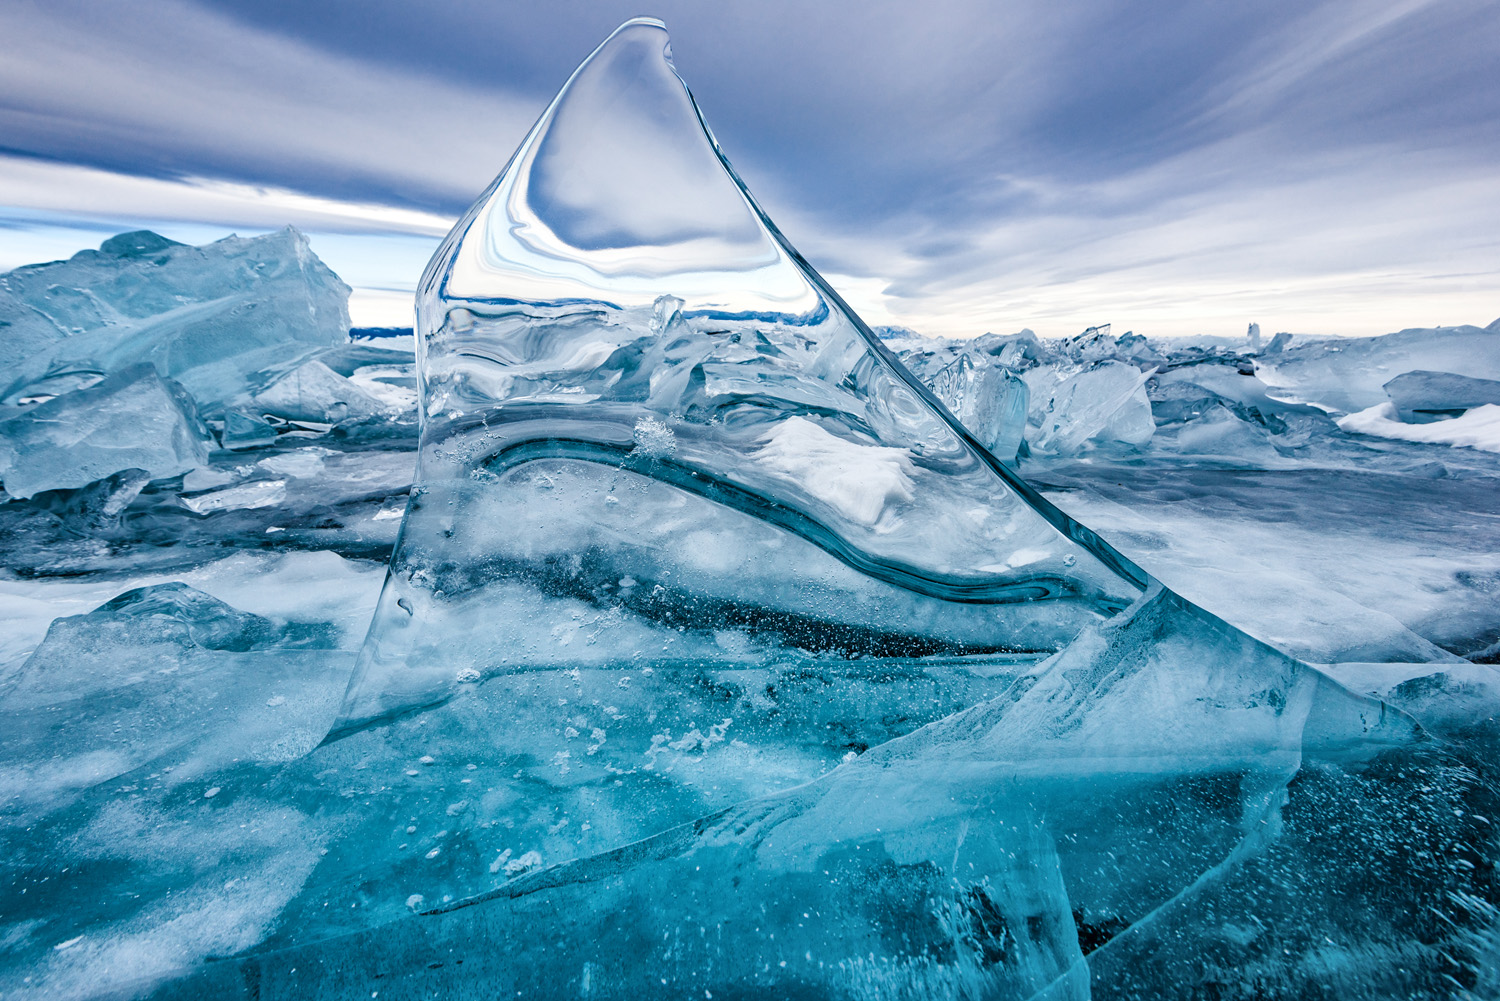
x,y
652,435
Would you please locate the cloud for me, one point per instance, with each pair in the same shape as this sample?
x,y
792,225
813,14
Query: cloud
x,y
73,189
169,89
1165,164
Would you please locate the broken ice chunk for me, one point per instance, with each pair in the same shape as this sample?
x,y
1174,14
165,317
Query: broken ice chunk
x,y
147,671
210,317
242,430
314,392
162,616
625,379
1422,394
990,401
132,420
1106,403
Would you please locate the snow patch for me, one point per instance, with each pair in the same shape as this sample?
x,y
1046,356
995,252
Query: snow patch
x,y
1477,428
858,481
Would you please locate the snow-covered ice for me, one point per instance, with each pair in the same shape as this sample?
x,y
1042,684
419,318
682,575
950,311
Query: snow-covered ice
x,y
1475,428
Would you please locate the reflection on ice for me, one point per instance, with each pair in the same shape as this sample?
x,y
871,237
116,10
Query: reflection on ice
x,y
676,400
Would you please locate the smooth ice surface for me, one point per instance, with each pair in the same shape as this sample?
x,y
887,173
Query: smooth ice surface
x,y
210,317
133,419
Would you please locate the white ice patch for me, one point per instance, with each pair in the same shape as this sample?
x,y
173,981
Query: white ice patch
x,y
654,439
856,480
245,497
306,587
391,510
1477,428
528,861
371,379
305,463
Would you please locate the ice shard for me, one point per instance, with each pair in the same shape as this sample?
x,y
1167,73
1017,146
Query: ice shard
x,y
134,419
221,319
718,659
989,401
653,435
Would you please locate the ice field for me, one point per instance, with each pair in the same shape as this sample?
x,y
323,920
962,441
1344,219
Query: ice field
x,y
643,624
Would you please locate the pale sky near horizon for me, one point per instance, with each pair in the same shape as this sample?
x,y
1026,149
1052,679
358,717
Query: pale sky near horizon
x,y
1320,166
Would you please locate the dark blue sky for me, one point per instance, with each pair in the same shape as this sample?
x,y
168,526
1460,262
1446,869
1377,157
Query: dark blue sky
x,y
1176,167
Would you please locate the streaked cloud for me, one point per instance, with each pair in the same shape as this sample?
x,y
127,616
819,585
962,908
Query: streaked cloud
x,y
1175,167
41,185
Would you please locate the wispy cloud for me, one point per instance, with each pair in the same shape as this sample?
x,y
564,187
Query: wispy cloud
x,y
42,185
1174,166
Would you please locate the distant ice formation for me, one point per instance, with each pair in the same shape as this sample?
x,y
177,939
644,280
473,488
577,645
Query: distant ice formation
x,y
132,419
210,317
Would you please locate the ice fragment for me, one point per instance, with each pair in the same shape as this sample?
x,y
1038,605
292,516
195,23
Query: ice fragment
x,y
210,317
132,420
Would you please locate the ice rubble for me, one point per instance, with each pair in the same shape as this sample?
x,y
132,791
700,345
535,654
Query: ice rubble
x,y
214,318
991,402
1350,374
1241,404
99,428
719,659
1234,497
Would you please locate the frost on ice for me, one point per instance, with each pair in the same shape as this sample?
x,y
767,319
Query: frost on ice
x,y
724,650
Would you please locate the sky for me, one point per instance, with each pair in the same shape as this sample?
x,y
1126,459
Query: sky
x,y
1173,167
